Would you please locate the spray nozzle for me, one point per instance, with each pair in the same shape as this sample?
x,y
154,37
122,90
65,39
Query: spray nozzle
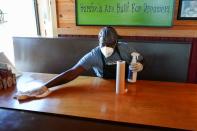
x,y
135,56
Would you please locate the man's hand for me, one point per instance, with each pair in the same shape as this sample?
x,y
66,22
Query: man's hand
x,y
136,67
40,92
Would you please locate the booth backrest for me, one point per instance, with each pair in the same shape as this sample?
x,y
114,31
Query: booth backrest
x,y
50,55
164,61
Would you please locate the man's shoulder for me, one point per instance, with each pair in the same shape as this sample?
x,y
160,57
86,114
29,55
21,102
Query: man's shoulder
x,y
93,53
96,49
90,58
123,45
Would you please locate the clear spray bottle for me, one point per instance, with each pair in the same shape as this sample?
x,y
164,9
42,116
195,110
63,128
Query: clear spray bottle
x,y
132,76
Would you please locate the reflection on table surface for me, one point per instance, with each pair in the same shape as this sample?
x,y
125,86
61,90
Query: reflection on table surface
x,y
164,104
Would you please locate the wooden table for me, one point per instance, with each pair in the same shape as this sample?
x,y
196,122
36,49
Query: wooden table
x,y
154,103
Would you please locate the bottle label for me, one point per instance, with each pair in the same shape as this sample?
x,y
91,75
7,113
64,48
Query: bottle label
x,y
130,73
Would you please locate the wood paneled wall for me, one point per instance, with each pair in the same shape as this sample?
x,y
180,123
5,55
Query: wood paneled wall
x,y
66,25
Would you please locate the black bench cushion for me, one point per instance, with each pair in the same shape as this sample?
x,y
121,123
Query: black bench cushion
x,y
165,61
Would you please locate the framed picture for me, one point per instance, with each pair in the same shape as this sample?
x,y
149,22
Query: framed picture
x,y
151,13
187,10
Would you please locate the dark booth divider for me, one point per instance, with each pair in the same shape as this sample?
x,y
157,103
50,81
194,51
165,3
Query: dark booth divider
x,y
163,61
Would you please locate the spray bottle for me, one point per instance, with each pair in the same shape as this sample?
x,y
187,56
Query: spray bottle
x,y
132,76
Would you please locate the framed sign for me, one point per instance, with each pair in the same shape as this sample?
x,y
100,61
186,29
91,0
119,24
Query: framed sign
x,y
124,12
187,10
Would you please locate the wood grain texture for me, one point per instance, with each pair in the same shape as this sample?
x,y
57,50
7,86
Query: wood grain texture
x,y
67,26
164,104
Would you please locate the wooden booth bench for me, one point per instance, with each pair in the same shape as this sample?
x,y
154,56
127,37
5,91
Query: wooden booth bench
x,y
163,60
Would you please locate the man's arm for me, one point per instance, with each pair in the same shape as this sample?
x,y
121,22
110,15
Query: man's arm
x,y
43,91
66,76
62,78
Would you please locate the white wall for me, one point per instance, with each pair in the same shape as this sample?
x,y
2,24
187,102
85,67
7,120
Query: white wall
x,y
21,22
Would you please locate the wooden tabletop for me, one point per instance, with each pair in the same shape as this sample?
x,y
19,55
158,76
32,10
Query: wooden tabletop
x,y
164,104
